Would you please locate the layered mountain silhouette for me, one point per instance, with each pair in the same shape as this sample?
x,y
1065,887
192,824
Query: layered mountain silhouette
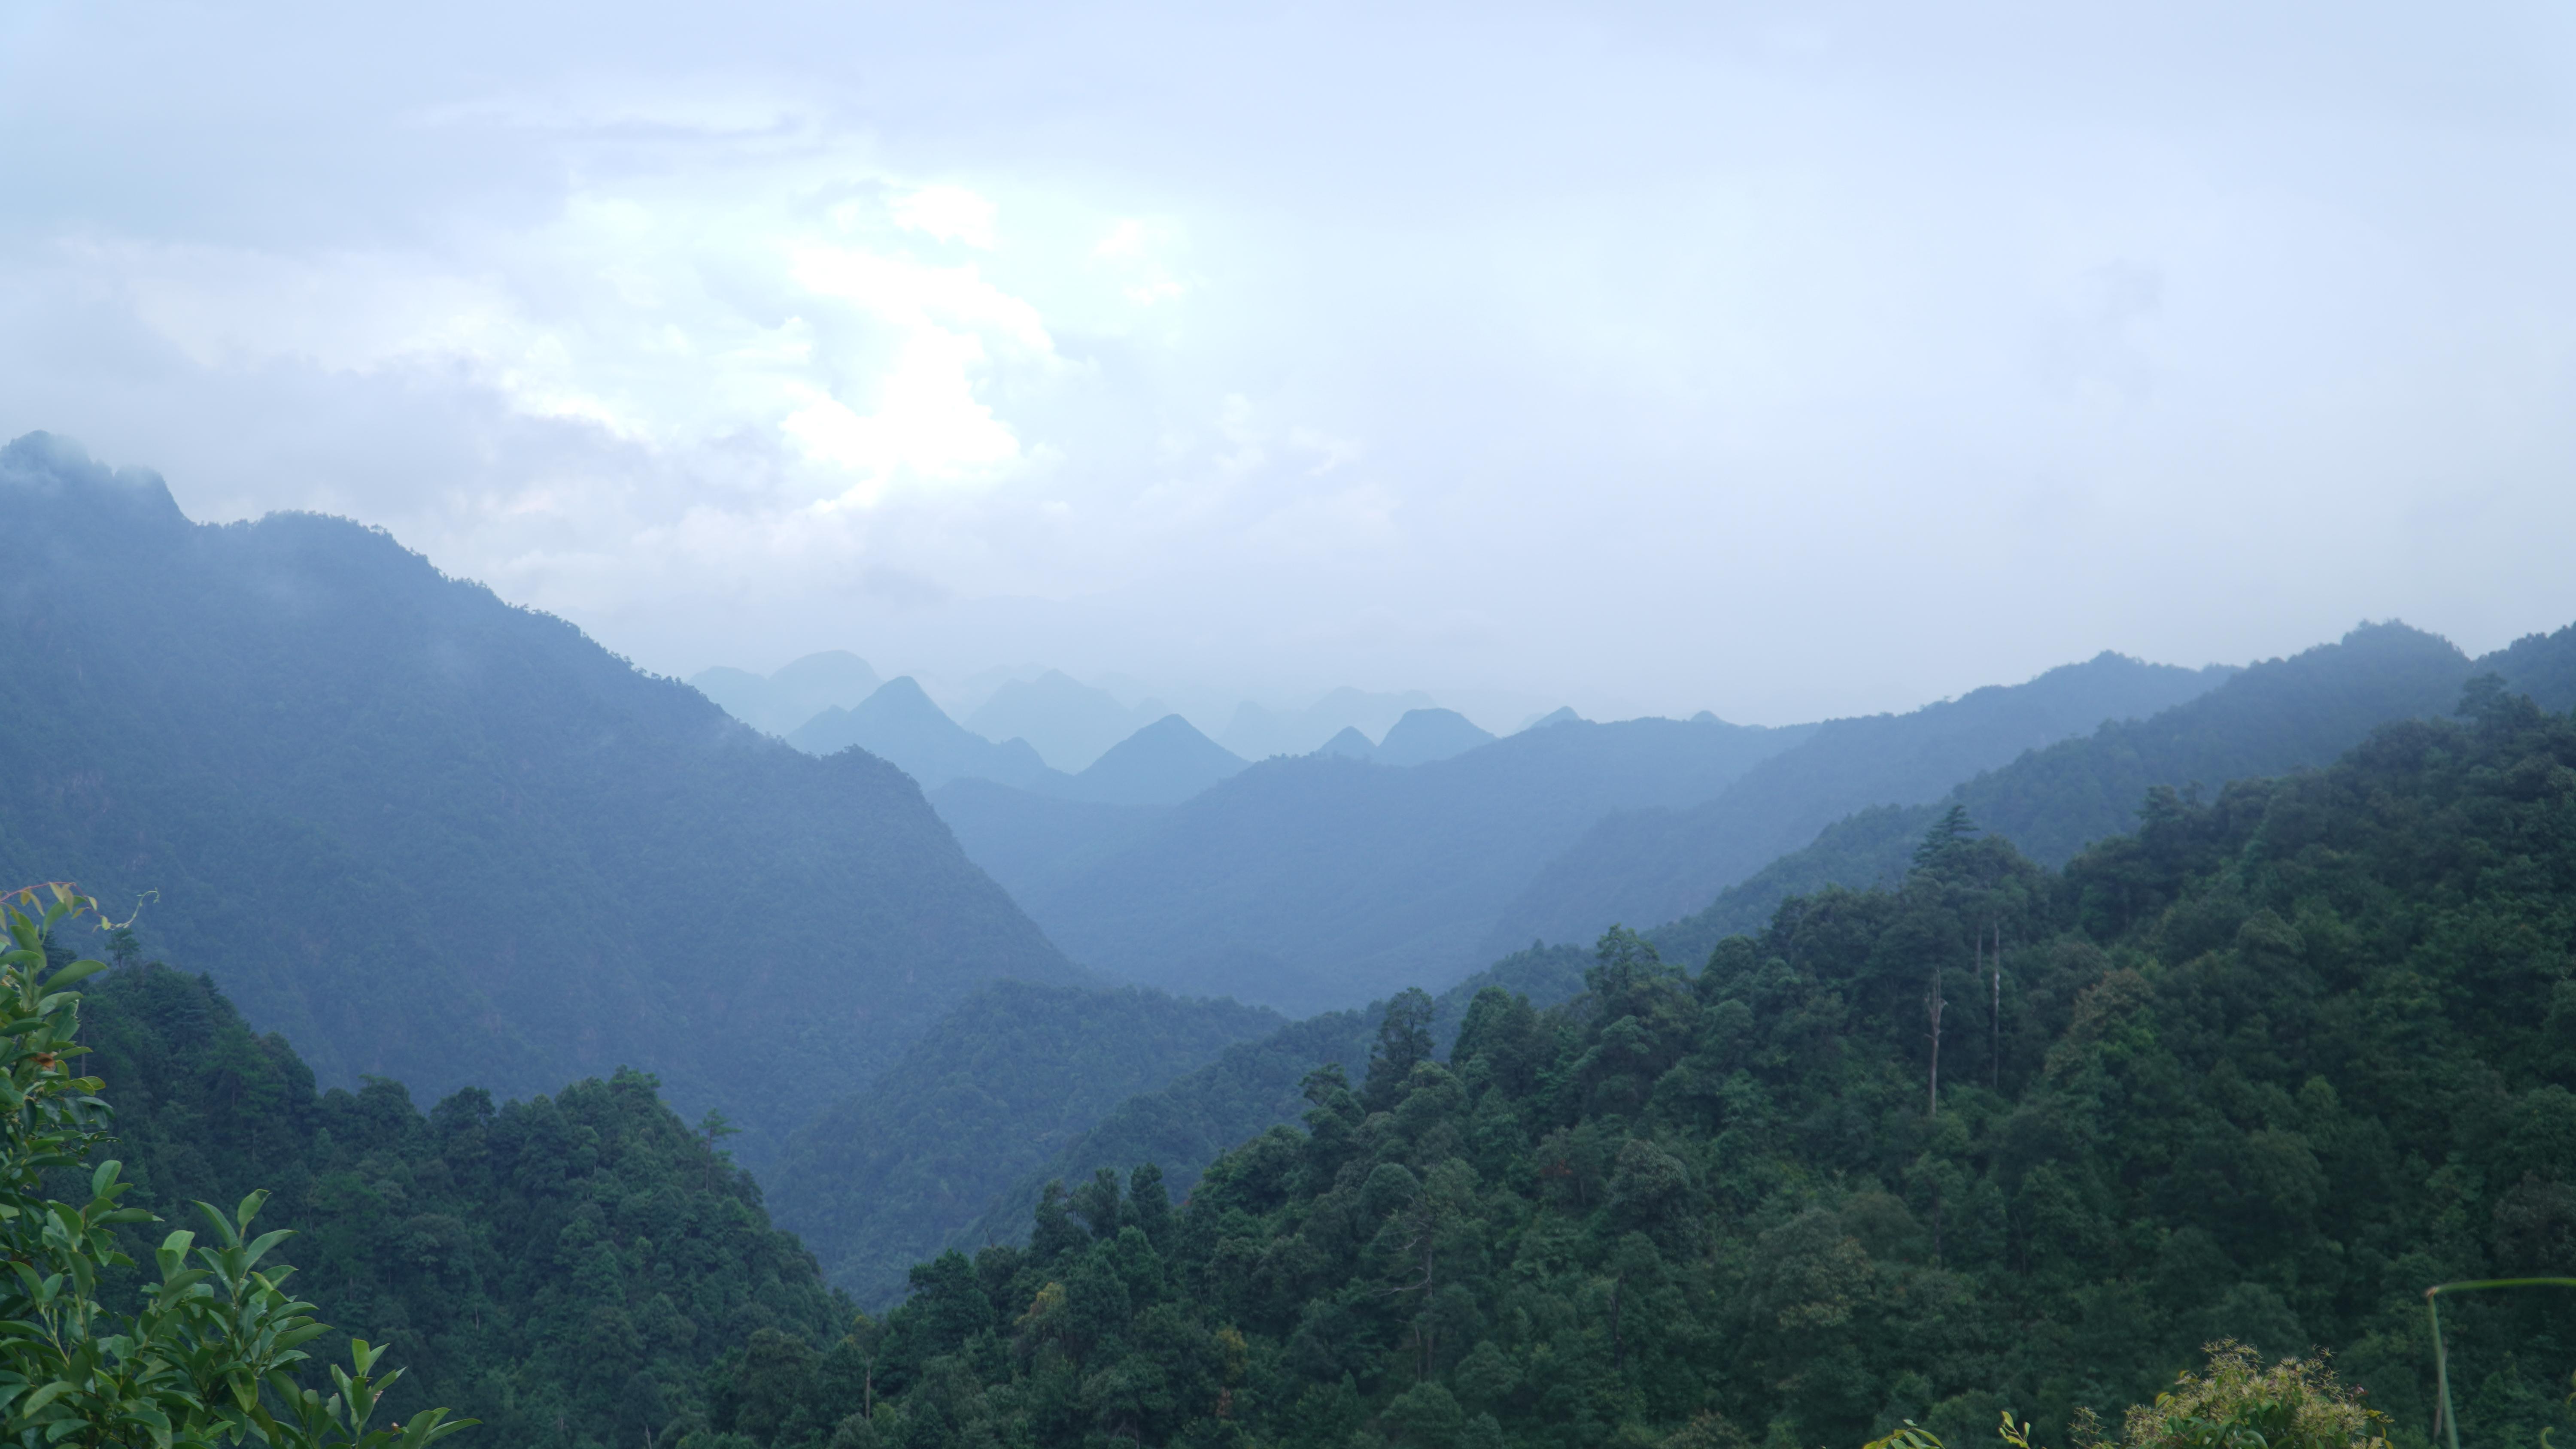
x,y
901,723
1425,735
1164,763
1070,724
432,836
1420,737
1348,744
2275,717
1257,732
1321,881
1658,863
778,702
1312,882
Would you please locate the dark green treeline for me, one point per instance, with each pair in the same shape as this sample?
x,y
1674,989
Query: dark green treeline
x,y
563,1269
2265,1069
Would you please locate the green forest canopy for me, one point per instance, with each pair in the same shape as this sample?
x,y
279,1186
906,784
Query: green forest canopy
x,y
562,1268
2265,1069
435,837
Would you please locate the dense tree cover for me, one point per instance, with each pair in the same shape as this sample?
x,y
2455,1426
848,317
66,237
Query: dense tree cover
x,y
878,1182
1314,883
2275,717
1866,848
435,837
1250,1088
1658,863
561,1268
210,1350
1994,1138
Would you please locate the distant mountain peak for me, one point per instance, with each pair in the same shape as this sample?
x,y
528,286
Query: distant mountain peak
x,y
56,470
791,695
297,709
1257,732
903,696
903,724
1349,744
1164,763
1425,735
1069,723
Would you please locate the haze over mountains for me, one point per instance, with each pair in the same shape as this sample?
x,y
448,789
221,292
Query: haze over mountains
x,y
1582,727
2274,717
578,866
1662,861
435,837
1322,880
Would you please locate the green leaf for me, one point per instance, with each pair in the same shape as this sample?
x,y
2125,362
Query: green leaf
x,y
259,1247
44,1396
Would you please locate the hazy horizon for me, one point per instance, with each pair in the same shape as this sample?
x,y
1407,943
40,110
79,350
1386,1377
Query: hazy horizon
x,y
1786,363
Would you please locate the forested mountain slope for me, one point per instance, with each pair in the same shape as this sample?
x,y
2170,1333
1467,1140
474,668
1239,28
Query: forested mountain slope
x,y
564,1268
1311,883
2275,717
2267,1069
1254,1086
1658,863
1024,838
878,1180
434,837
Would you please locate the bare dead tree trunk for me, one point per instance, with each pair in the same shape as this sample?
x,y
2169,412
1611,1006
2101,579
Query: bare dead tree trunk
x,y
1995,1065
1618,1346
1932,1009
1427,1296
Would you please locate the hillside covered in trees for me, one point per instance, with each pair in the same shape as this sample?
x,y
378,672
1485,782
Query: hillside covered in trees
x,y
1994,1138
433,837
1665,860
1317,882
2274,717
879,1180
563,1269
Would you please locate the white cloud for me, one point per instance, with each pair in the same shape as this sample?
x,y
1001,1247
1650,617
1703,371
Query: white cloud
x,y
1674,348
950,213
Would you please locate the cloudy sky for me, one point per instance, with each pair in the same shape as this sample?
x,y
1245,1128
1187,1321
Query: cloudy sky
x,y
1781,360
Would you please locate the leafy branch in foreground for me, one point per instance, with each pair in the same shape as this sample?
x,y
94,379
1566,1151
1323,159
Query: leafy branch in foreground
x,y
2236,1403
210,1355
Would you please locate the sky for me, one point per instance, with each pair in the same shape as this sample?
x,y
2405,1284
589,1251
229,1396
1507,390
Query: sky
x,y
1785,361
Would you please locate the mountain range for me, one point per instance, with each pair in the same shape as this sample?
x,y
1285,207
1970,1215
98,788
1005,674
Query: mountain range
x,y
432,836
777,702
1162,763
2273,717
2276,717
1315,882
1322,881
